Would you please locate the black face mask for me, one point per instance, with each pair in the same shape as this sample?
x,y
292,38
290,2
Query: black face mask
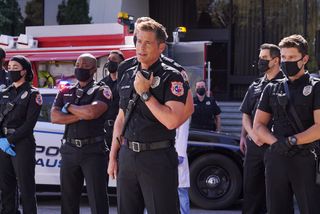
x,y
263,65
112,66
82,74
14,76
201,91
291,68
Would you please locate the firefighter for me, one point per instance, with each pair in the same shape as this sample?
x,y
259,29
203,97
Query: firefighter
x,y
3,72
148,162
114,59
254,192
83,151
293,106
206,111
20,106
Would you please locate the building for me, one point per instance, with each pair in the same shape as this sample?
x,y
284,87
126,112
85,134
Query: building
x,y
236,27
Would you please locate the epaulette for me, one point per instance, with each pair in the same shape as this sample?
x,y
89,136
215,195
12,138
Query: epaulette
x,y
314,80
169,68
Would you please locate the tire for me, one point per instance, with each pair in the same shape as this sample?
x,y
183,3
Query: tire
x,y
215,181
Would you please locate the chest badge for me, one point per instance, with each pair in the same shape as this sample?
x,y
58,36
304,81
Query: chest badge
x,y
90,91
208,103
107,93
39,100
24,95
307,90
155,82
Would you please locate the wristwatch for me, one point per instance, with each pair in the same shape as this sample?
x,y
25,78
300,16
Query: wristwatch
x,y
145,96
292,140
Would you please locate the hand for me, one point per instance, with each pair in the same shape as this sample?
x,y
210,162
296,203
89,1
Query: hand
x,y
243,145
281,146
255,139
142,84
65,108
6,147
180,159
113,168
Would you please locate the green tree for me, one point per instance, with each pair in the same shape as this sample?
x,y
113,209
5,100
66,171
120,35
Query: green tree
x,y
11,21
74,12
34,13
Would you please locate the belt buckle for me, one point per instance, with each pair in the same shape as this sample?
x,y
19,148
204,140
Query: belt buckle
x,y
78,143
136,146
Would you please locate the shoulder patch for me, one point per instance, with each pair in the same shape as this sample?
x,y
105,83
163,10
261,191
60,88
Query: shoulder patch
x,y
177,88
107,93
39,100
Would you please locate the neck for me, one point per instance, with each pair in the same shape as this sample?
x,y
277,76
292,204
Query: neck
x,y
148,65
272,73
201,98
83,84
297,76
19,82
113,76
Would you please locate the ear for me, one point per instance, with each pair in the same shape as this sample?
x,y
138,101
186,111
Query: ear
x,y
162,47
305,59
23,72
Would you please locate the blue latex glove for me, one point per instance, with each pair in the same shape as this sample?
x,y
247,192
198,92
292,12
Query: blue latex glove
x,y
65,108
7,147
180,159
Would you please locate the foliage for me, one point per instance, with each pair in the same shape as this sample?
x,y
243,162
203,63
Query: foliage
x,y
73,12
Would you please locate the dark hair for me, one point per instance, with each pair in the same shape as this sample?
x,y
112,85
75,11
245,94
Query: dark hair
x,y
26,64
274,49
202,81
153,26
119,53
2,53
295,41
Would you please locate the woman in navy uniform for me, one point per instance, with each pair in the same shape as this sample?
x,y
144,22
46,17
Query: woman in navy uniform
x,y
20,106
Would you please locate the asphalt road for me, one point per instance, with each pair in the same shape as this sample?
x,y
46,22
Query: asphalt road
x,y
51,205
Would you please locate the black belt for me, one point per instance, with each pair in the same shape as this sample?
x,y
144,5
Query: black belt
x,y
139,147
82,142
7,131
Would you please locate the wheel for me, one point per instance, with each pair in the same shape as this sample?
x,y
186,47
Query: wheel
x,y
215,181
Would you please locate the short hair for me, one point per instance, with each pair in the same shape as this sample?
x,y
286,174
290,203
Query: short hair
x,y
295,41
89,58
205,82
2,53
274,49
153,26
119,53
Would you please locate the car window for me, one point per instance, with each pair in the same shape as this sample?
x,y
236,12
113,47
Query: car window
x,y
46,107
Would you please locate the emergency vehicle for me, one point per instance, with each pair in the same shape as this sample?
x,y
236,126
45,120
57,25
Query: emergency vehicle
x,y
214,158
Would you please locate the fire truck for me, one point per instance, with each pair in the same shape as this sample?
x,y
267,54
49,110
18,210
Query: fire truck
x,y
54,49
214,158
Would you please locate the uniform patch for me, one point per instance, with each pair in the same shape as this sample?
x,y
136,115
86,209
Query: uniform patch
x,y
155,82
24,95
107,93
90,91
177,88
185,75
307,90
39,100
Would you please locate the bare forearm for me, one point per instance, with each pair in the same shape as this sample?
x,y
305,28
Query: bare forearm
x,y
247,124
263,133
168,116
218,122
189,107
116,138
244,133
310,135
87,112
62,118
